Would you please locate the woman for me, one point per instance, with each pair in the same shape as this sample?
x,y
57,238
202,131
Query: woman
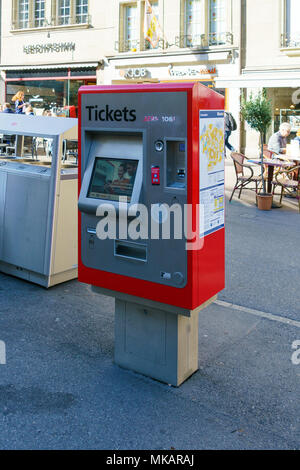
x,y
18,99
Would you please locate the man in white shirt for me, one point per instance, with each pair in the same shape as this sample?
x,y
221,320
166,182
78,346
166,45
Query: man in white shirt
x,y
277,141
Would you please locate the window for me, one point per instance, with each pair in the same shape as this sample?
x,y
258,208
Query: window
x,y
46,13
217,22
292,38
154,6
23,14
204,23
56,95
64,12
39,13
82,11
131,26
194,25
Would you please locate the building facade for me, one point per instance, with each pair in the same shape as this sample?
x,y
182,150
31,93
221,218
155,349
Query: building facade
x,y
199,40
49,48
58,45
270,59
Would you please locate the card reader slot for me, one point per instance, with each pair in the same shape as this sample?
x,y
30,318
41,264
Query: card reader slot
x,y
175,160
130,250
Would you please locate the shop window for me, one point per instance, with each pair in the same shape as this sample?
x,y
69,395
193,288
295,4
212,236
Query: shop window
x,y
58,96
292,28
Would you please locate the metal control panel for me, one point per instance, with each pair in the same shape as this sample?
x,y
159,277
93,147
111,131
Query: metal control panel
x,y
155,175
150,132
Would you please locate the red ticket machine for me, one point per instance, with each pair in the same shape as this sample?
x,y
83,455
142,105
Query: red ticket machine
x,y
151,185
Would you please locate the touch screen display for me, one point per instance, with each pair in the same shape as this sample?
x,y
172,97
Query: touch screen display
x,y
112,178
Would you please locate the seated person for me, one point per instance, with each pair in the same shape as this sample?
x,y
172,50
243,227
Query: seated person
x,y
277,141
28,110
7,109
298,136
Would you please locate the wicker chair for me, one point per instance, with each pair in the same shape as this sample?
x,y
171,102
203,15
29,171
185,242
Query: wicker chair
x,y
243,180
284,178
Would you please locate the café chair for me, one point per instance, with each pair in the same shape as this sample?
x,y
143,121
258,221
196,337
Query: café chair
x,y
289,186
70,148
268,154
244,175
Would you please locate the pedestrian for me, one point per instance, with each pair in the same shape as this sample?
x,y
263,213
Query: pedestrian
x,y
47,112
7,109
29,110
277,141
298,136
18,99
230,125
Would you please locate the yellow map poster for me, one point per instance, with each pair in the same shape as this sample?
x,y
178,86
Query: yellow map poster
x,y
211,141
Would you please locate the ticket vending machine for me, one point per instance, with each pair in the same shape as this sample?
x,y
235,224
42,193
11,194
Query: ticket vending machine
x,y
151,216
38,200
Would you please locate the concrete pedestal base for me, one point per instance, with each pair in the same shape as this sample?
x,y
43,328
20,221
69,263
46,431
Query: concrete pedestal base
x,y
155,339
155,343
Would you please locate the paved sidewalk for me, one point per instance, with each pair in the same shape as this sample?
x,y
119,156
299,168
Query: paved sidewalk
x,y
60,388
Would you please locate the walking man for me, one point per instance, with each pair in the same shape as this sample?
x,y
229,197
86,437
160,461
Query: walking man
x,y
230,125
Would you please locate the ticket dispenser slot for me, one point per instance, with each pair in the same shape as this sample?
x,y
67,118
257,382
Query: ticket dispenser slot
x,y
131,250
175,164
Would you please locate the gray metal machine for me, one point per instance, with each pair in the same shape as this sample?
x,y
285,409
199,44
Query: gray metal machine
x,y
38,202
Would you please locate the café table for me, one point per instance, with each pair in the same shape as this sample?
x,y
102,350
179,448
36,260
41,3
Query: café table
x,y
270,164
295,158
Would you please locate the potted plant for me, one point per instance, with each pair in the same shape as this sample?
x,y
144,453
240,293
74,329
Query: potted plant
x,y
257,112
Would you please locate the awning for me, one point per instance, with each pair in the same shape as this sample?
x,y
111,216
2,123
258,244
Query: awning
x,y
178,58
260,80
39,126
85,65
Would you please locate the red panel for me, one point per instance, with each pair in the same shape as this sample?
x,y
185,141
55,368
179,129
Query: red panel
x,y
206,266
209,276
